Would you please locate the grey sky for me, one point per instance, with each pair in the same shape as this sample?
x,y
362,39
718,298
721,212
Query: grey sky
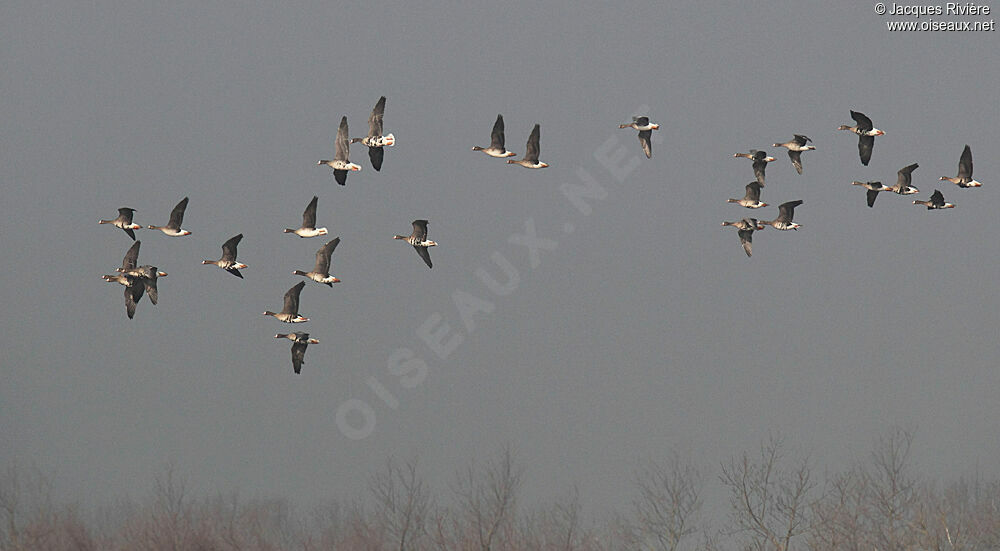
x,y
645,330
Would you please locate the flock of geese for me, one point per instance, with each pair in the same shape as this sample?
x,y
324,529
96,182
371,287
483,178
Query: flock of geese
x,y
142,279
867,133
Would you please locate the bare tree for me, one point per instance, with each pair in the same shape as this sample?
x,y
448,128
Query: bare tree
x,y
768,500
402,502
489,499
891,491
669,500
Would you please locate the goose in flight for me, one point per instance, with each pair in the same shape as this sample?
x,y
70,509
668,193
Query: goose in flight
x,y
903,179
795,148
290,311
300,341
375,140
173,227
645,129
784,219
936,202
321,273
341,164
496,148
308,228
752,198
760,160
873,190
745,229
964,178
419,241
124,221
866,132
530,159
228,261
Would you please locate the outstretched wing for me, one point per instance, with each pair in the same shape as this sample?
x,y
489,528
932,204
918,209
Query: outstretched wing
x,y
865,146
342,144
746,239
131,257
323,257
375,155
796,157
787,210
340,176
872,195
292,299
425,254
298,355
177,215
903,177
496,136
647,147
753,191
965,164
864,123
309,216
420,230
229,247
532,147
375,119
132,295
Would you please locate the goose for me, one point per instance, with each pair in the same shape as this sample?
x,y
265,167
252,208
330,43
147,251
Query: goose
x,y
964,178
300,341
290,311
148,276
866,132
936,202
321,273
795,148
530,159
760,160
136,282
496,148
173,227
752,198
419,241
124,221
784,219
375,140
645,129
873,190
228,261
341,164
308,228
745,229
903,180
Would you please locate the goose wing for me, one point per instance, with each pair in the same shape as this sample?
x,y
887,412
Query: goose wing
x,y
864,123
375,119
796,157
342,144
532,147
865,146
323,257
177,215
753,191
787,210
644,140
131,257
309,215
229,248
496,136
292,299
965,164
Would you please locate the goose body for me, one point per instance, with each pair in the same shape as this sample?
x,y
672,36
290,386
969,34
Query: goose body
x,y
530,159
300,341
903,180
795,147
874,188
964,178
419,241
496,148
341,163
645,129
936,202
784,219
124,221
752,198
745,230
321,273
866,132
308,228
375,141
228,261
173,227
290,311
760,160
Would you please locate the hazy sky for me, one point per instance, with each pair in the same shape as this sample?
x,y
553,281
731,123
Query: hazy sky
x,y
631,331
